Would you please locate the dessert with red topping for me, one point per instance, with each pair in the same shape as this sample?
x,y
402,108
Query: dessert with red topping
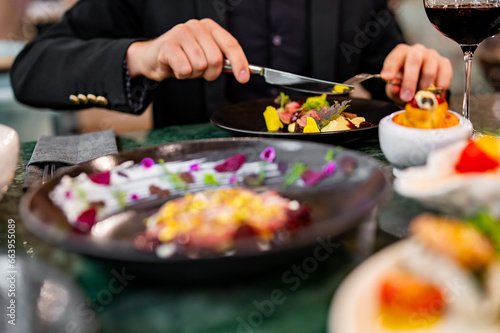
x,y
427,109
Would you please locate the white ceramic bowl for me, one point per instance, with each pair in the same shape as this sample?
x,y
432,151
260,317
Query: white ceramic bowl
x,y
9,153
406,147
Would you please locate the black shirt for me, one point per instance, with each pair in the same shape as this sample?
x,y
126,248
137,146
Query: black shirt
x,y
272,33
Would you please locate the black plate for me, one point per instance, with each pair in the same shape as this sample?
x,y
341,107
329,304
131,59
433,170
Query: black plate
x,y
338,203
246,118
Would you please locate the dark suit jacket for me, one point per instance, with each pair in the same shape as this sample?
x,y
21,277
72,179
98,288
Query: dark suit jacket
x,y
83,54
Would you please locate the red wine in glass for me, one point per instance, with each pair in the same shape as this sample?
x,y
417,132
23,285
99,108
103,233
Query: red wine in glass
x,y
468,23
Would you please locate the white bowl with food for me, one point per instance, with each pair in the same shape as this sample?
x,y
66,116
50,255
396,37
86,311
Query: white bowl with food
x,y
406,143
9,153
405,146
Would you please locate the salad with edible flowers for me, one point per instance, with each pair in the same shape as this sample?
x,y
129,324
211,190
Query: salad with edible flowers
x,y
88,199
314,115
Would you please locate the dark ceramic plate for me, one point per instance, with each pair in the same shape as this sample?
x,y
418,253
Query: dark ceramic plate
x,y
246,118
338,203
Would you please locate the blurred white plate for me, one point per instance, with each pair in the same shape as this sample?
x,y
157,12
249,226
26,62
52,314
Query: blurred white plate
x,y
437,185
354,308
9,153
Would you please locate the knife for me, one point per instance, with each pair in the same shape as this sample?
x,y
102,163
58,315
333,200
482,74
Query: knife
x,y
296,82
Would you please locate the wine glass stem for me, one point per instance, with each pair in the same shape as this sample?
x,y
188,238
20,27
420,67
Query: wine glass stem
x,y
468,54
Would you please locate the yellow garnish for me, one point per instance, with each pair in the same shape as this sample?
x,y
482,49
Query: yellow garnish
x,y
311,126
219,213
339,124
358,120
429,112
489,145
272,119
340,88
318,99
168,232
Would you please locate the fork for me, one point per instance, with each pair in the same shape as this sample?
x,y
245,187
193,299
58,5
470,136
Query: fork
x,y
365,76
48,172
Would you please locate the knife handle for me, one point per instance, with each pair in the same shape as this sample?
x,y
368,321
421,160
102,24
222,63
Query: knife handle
x,y
254,69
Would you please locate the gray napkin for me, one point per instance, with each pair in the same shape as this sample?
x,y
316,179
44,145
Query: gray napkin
x,y
66,151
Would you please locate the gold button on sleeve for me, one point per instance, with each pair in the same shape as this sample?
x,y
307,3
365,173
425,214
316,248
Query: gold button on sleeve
x,y
101,100
83,99
92,98
74,99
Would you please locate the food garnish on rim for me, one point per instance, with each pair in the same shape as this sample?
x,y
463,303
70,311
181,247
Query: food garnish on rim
x,y
315,115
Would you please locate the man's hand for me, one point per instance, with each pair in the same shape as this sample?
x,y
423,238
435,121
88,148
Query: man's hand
x,y
416,67
190,50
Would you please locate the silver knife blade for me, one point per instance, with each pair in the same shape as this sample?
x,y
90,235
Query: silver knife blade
x,y
296,82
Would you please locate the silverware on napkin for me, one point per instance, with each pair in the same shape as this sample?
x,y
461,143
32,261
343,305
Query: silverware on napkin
x,y
48,172
53,153
296,82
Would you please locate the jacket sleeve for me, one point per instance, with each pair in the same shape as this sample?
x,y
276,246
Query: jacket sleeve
x,y
79,61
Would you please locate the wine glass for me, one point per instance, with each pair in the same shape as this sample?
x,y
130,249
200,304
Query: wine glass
x,y
467,22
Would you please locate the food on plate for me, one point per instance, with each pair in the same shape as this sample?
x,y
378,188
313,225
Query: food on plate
x,y
464,255
210,192
479,155
409,302
459,265
214,221
315,115
427,109
462,178
455,240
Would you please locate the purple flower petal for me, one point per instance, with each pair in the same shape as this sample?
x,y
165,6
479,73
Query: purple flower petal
x,y
348,164
103,178
147,162
68,194
268,154
311,177
231,164
282,167
329,168
86,219
134,197
233,180
194,167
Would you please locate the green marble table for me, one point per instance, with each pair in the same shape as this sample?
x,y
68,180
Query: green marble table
x,y
229,306
265,302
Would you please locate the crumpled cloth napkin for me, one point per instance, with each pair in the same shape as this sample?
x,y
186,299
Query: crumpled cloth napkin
x,y
67,151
